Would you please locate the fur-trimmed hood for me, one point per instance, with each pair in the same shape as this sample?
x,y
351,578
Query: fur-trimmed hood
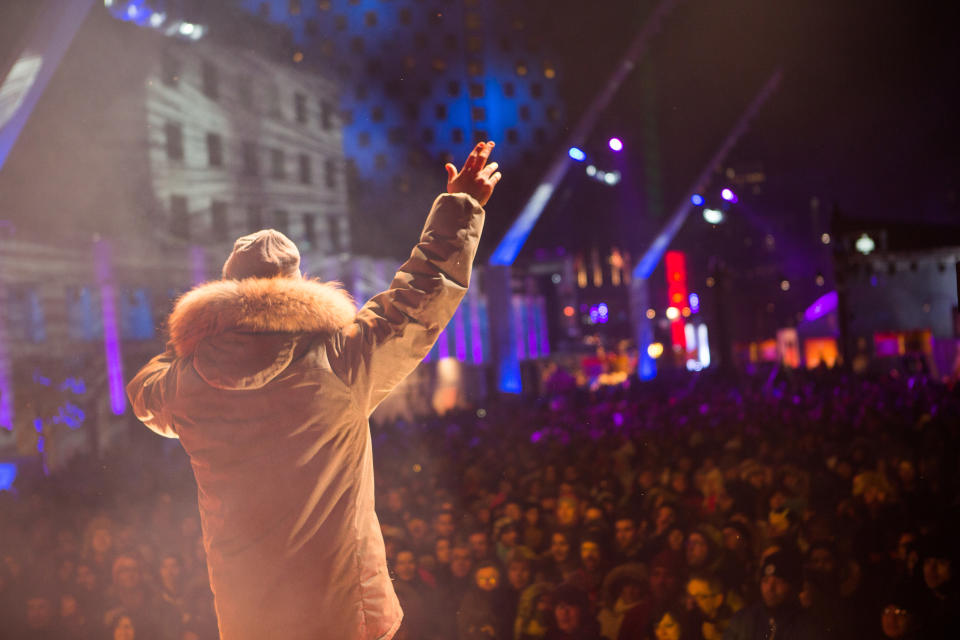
x,y
242,333
258,305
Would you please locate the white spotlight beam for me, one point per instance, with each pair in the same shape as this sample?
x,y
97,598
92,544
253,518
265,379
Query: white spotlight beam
x,y
508,249
43,46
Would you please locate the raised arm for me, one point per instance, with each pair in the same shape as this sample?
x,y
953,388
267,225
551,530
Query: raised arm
x,y
395,330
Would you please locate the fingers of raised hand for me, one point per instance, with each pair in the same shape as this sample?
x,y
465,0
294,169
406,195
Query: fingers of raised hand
x,y
486,148
473,162
489,170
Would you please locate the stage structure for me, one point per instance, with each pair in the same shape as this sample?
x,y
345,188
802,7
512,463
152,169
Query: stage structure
x,y
639,288
500,286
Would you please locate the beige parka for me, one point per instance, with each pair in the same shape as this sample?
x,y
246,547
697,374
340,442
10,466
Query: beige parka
x,y
268,383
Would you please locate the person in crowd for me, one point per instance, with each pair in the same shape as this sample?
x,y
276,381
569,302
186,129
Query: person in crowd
x,y
559,561
571,616
711,610
483,613
628,545
669,624
623,590
778,614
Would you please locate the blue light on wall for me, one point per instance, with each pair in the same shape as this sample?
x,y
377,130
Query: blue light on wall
x,y
425,79
8,474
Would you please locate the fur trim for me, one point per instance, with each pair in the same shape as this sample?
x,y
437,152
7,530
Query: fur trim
x,y
258,305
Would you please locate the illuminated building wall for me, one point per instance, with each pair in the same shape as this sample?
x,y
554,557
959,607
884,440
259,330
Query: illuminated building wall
x,y
427,80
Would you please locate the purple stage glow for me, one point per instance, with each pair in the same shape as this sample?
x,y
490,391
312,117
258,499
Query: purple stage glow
x,y
823,305
518,327
6,376
111,331
531,317
476,344
541,316
460,335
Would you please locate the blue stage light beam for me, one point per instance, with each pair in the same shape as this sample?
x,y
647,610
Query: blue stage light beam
x,y
43,48
651,257
513,241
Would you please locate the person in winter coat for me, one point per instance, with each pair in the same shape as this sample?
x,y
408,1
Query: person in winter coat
x,y
778,613
268,382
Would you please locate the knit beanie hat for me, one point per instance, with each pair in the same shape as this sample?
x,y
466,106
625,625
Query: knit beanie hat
x,y
264,254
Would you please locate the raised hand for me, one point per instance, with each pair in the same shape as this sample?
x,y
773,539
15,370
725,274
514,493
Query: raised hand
x,y
477,178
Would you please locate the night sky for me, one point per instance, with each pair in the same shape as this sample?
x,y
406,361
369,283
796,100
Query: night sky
x,y
865,118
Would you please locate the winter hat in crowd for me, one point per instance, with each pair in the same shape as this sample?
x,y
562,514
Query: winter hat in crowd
x,y
784,565
264,254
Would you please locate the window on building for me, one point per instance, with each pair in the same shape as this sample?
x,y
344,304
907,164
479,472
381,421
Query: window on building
x,y
310,27
370,18
453,88
441,111
476,90
427,136
363,139
214,150
278,169
169,70
380,161
346,116
218,220
306,171
333,230
254,218
179,217
310,230
524,112
251,158
376,114
300,107
211,80
478,114
340,23
281,221
536,90
173,132
404,16
480,135
508,89
294,7
456,135
475,68
356,44
411,110
397,135
553,113
330,173
326,115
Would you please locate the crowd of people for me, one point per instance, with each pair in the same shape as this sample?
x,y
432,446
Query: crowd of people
x,y
792,506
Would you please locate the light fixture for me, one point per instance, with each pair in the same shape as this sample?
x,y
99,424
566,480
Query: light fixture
x,y
865,244
713,216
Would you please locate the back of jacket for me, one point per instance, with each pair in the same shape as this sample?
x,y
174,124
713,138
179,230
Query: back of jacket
x,y
268,383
